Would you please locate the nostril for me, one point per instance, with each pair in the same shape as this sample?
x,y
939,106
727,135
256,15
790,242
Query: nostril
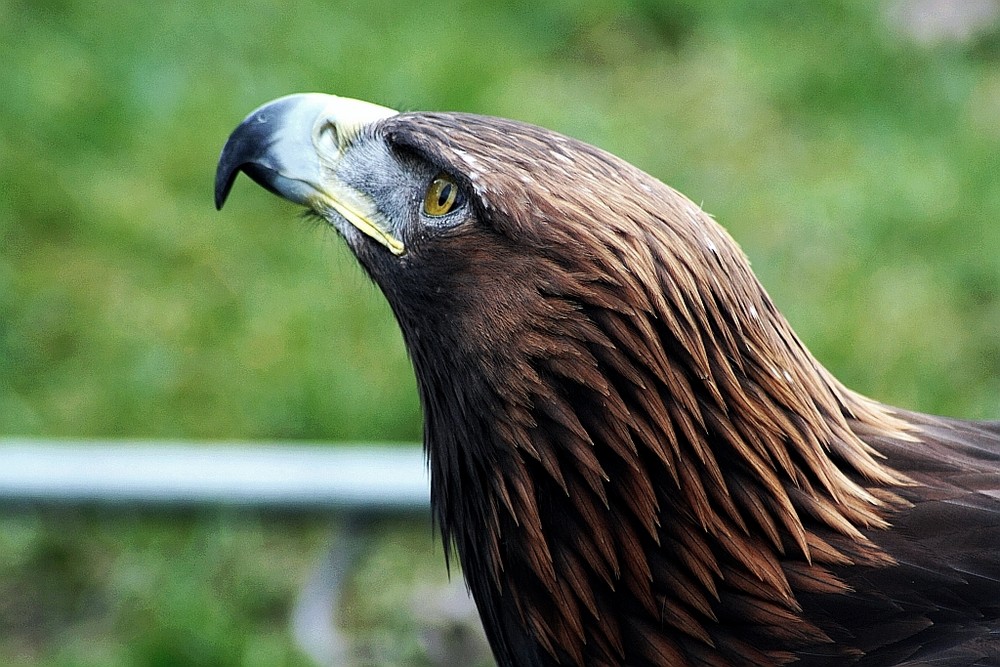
x,y
331,140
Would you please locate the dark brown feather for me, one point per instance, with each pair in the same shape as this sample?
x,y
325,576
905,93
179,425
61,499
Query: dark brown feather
x,y
637,460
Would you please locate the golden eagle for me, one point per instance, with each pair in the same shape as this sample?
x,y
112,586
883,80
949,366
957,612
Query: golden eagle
x,y
635,458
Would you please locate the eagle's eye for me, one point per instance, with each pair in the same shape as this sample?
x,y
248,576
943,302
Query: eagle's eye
x,y
442,196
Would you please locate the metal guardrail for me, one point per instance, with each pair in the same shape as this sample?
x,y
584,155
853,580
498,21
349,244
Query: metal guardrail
x,y
346,478
353,482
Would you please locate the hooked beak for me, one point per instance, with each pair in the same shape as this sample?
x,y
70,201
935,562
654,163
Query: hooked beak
x,y
291,147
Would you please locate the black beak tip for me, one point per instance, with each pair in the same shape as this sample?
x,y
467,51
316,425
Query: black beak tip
x,y
232,160
224,177
248,146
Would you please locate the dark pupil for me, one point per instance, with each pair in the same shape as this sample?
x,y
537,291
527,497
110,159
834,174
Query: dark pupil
x,y
444,194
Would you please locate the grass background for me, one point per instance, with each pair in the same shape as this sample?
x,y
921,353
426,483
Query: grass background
x,y
856,164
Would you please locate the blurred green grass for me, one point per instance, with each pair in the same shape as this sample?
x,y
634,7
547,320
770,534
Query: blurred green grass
x,y
856,166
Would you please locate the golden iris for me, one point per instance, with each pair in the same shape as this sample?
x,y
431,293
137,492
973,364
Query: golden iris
x,y
441,196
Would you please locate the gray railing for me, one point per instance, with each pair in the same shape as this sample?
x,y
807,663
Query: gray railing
x,y
355,482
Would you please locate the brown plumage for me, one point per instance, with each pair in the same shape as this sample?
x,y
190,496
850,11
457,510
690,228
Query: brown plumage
x,y
635,458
